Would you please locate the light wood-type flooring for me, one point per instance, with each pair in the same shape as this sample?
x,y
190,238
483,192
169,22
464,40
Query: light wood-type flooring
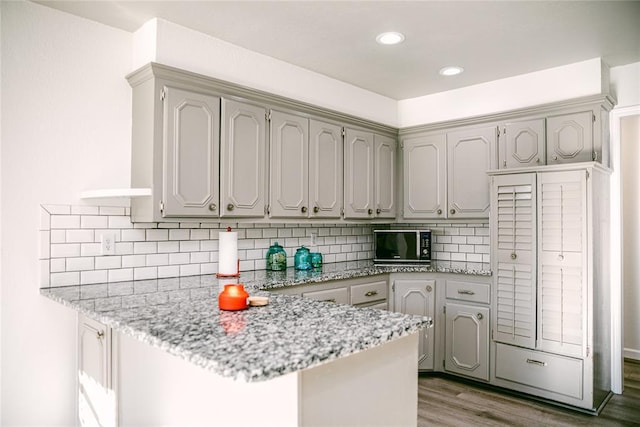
x,y
446,401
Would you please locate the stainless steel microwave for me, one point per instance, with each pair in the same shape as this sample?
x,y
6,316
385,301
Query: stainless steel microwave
x,y
402,246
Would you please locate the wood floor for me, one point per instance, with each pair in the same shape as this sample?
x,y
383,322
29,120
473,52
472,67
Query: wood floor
x,y
443,401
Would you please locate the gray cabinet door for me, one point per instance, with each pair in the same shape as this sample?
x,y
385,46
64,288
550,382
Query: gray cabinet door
x,y
418,297
467,340
471,153
358,174
325,170
191,137
562,284
570,138
523,144
385,176
242,160
513,241
425,177
289,169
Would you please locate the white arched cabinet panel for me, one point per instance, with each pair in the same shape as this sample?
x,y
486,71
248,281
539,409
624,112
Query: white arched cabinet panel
x,y
325,170
425,176
242,160
289,168
358,175
385,176
191,145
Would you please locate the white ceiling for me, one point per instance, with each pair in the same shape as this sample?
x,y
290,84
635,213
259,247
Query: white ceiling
x,y
490,39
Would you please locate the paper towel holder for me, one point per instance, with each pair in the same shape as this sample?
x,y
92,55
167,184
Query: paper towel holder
x,y
230,273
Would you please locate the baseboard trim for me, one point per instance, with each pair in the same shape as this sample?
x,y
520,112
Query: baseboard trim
x,y
631,353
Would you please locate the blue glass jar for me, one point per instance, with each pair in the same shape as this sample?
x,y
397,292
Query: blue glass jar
x,y
316,260
302,259
276,258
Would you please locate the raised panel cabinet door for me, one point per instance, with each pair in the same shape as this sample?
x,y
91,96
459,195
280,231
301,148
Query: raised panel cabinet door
x,y
570,138
524,144
242,160
385,176
425,177
325,170
358,174
470,154
289,166
467,340
562,264
191,138
513,254
418,297
96,398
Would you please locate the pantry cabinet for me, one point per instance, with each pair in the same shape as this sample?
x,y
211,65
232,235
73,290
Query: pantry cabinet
x,y
369,174
305,167
551,321
243,160
418,296
444,174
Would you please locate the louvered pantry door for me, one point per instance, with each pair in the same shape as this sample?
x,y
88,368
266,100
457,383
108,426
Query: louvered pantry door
x,y
514,250
562,288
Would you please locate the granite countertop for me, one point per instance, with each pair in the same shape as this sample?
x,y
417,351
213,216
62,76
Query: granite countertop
x,y
181,316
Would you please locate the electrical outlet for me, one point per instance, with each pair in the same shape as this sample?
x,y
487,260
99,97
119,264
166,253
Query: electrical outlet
x,y
108,244
312,239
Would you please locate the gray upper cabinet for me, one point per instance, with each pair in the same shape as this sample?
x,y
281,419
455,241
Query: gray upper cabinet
x,y
325,170
570,138
242,160
385,176
425,176
289,166
471,153
369,173
191,145
522,144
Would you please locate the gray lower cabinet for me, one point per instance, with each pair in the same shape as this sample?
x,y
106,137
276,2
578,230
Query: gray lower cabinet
x,y
243,182
418,296
97,399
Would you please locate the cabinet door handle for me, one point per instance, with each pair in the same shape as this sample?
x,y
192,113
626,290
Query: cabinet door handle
x,y
303,209
370,211
429,288
479,316
465,292
230,207
213,207
536,362
316,209
560,257
329,300
452,211
378,211
100,335
371,293
514,255
439,211
504,163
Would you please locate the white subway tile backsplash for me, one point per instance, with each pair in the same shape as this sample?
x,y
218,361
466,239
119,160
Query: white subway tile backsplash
x,y
153,250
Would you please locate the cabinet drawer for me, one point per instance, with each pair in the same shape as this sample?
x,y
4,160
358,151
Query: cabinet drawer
x,y
337,295
383,305
545,371
468,291
369,292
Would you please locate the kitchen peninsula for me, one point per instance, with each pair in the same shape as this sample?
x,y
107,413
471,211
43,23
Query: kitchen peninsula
x,y
178,359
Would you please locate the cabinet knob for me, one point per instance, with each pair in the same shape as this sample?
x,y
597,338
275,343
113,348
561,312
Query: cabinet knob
x,y
514,255
429,288
560,257
303,209
452,211
538,160
439,211
555,157
213,207
479,316
504,163
230,207
100,335
378,211
316,209
370,211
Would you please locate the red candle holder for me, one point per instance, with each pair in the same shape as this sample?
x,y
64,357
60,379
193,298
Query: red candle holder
x,y
233,297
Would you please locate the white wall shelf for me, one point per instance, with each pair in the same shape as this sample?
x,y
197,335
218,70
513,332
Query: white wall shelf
x,y
115,192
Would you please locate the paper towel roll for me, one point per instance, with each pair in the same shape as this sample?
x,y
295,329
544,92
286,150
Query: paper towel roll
x,y
228,254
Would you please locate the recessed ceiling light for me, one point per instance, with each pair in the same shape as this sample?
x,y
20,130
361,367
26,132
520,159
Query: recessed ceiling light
x,y
390,37
451,71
